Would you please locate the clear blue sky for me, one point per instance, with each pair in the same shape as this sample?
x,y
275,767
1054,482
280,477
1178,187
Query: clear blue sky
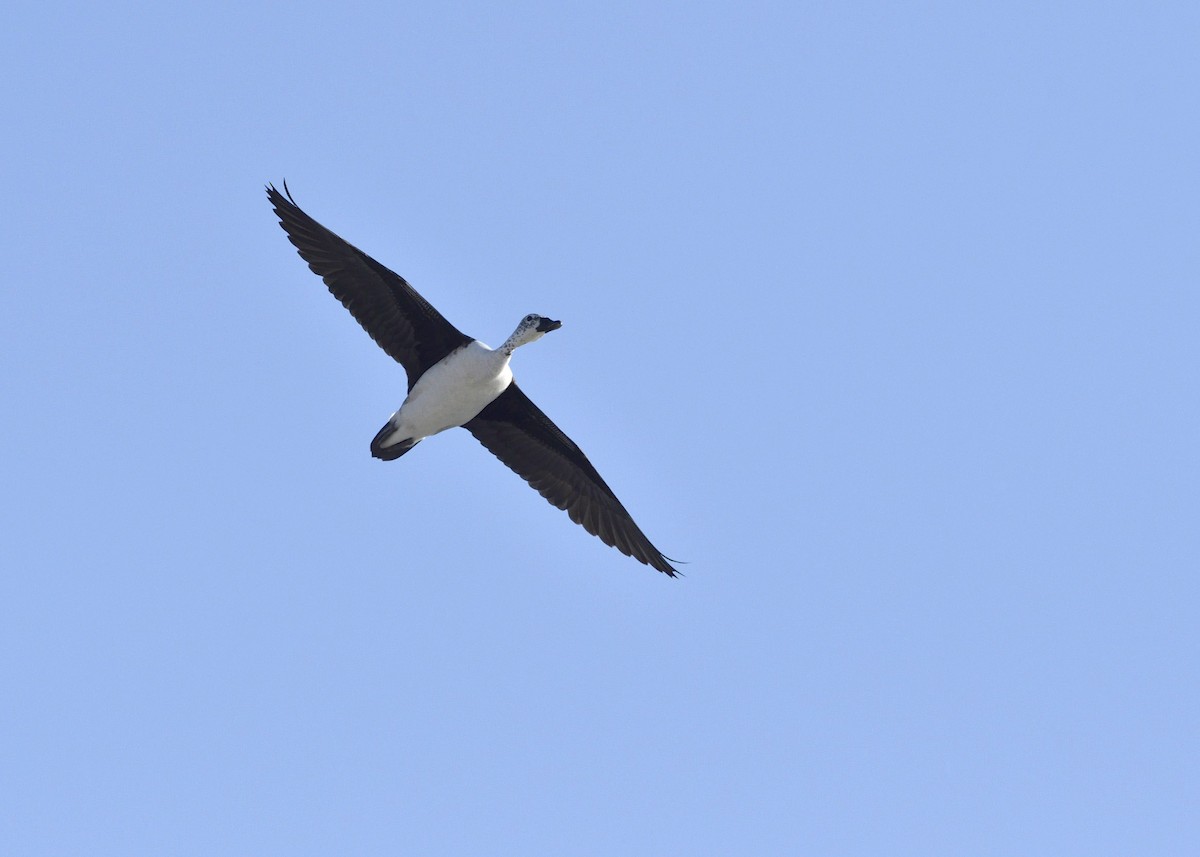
x,y
883,316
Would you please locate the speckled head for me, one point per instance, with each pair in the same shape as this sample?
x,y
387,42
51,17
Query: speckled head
x,y
532,328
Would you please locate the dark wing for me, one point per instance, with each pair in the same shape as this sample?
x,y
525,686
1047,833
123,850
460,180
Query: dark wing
x,y
520,435
389,309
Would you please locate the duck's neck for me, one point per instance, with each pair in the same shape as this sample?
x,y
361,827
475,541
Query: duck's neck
x,y
513,342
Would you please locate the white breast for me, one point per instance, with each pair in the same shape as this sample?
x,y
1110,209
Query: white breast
x,y
453,391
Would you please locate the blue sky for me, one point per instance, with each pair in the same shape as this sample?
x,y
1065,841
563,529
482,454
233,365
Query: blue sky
x,y
882,316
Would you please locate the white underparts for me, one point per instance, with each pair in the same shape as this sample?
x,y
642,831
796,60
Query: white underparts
x,y
454,390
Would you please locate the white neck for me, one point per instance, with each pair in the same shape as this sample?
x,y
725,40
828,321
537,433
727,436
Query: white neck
x,y
523,335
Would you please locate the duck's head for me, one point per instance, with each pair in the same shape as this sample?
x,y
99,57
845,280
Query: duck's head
x,y
533,327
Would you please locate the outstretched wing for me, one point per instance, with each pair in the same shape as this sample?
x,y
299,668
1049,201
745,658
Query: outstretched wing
x,y
400,321
519,434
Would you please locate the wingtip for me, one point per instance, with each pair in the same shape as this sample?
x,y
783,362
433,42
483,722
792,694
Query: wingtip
x,y
276,197
659,562
670,570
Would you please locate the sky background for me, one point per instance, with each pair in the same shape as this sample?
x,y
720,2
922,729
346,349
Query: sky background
x,y
882,316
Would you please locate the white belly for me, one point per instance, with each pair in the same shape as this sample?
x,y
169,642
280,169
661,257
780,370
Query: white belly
x,y
453,391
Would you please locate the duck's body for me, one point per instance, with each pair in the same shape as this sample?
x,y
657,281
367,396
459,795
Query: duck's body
x,y
455,380
453,391
450,393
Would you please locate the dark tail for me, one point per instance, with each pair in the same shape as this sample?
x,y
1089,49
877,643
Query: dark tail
x,y
392,451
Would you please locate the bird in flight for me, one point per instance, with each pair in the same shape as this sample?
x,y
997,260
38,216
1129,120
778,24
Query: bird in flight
x,y
455,380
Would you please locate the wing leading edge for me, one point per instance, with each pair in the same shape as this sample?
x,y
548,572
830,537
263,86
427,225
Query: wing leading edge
x,y
516,431
391,311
